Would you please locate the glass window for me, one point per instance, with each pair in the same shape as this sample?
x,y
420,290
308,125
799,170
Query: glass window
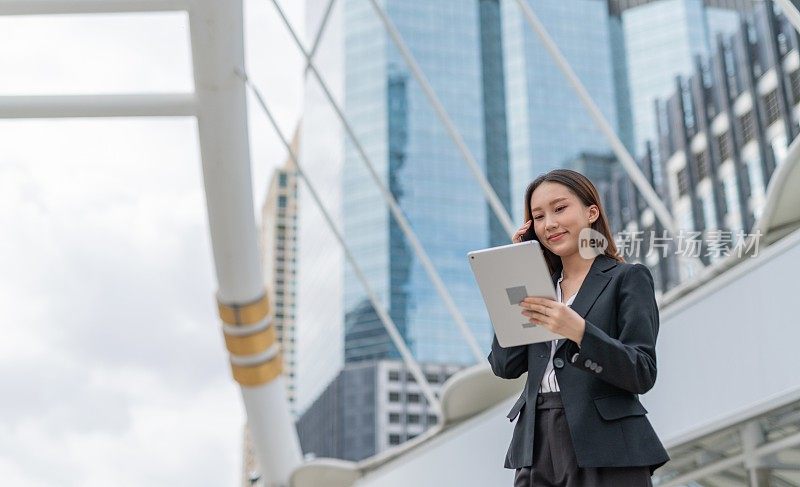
x,y
748,129
683,181
794,81
724,145
701,162
771,104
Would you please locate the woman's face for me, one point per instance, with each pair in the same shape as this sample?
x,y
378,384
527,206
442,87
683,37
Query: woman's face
x,y
557,212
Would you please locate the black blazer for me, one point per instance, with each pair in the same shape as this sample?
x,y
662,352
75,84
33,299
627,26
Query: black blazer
x,y
601,380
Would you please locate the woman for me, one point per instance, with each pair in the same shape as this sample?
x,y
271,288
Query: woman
x,y
579,419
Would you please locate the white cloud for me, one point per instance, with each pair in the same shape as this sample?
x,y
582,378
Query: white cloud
x,y
112,362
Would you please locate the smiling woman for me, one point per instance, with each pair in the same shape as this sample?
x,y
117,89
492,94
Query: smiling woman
x,y
580,421
560,204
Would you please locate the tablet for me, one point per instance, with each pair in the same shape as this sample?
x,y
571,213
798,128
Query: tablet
x,y
506,275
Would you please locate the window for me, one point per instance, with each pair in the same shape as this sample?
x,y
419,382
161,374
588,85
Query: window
x,y
413,419
724,146
432,419
432,378
281,201
683,181
282,180
394,397
394,439
771,104
410,378
794,81
748,129
413,397
394,418
394,376
701,163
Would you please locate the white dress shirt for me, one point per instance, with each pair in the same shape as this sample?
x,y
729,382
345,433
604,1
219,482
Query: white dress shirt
x,y
549,381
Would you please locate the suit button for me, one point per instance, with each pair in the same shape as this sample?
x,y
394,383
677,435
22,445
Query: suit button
x,y
599,369
593,366
558,362
588,363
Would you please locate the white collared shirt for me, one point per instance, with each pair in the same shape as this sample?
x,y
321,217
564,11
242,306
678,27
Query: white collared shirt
x,y
549,381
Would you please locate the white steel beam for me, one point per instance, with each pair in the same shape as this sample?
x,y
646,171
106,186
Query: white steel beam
x,y
76,106
770,448
217,34
56,7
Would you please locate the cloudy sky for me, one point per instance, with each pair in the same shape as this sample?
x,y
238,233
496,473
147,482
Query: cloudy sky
x,y
112,365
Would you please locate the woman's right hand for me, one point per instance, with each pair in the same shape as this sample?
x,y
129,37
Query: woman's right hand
x,y
517,238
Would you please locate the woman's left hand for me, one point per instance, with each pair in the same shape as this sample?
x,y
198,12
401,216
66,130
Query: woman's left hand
x,y
556,317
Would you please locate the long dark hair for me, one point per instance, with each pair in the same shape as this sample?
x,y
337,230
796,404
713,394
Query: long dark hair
x,y
582,187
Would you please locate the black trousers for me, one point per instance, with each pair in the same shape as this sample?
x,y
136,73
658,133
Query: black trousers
x,y
554,462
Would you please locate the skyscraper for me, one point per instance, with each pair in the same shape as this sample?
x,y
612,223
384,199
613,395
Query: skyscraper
x,y
279,262
661,39
547,125
422,167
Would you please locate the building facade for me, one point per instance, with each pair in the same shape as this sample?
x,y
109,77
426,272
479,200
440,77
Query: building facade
x,y
661,39
721,134
456,43
547,124
279,265
370,406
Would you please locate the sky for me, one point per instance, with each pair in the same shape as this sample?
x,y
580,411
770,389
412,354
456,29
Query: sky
x,y
112,365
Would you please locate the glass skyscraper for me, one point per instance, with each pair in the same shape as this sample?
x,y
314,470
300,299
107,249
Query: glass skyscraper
x,y
457,44
547,124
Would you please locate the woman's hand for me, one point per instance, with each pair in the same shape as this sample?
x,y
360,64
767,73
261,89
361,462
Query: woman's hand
x,y
556,317
517,238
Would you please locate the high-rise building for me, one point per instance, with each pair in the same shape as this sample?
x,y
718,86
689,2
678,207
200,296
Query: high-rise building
x,y
547,125
722,132
661,39
456,43
279,263
370,407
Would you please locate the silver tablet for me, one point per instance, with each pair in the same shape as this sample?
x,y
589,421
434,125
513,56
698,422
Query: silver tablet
x,y
505,276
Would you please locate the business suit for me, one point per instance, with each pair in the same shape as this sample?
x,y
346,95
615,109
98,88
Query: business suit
x,y
601,380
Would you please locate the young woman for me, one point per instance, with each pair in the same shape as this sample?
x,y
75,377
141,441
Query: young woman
x,y
579,419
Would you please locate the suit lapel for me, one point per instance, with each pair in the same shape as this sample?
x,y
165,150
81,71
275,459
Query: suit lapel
x,y
593,284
